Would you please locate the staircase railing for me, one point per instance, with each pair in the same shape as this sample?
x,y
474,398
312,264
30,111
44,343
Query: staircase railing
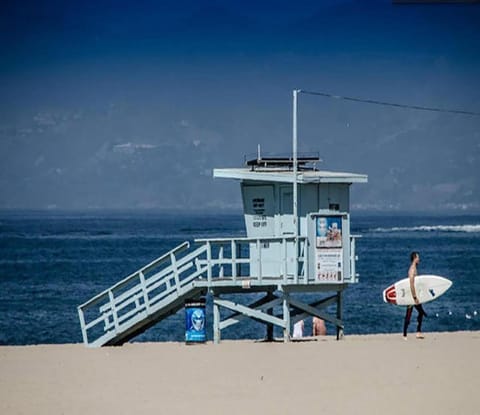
x,y
138,294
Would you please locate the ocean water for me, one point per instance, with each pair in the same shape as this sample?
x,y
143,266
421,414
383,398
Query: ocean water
x,y
52,262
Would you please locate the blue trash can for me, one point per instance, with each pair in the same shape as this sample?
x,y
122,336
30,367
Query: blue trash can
x,y
195,321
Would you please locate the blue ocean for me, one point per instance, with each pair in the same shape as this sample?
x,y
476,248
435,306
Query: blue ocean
x,y
51,262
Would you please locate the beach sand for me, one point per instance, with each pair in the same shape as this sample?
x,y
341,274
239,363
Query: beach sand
x,y
369,374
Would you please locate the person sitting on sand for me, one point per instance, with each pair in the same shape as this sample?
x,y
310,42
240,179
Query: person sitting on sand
x,y
318,327
298,328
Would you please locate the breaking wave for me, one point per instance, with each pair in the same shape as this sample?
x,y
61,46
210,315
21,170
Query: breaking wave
x,y
433,228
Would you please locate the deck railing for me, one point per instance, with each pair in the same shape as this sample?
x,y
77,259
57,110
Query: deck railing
x,y
233,258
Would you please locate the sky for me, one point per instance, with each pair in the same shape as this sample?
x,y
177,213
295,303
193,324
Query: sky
x,y
130,105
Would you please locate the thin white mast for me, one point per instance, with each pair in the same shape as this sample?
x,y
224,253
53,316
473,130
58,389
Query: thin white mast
x,y
295,184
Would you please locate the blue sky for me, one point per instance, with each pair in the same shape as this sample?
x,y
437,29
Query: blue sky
x,y
132,104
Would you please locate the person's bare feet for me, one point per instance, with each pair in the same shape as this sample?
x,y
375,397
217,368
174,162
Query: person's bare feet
x,y
420,336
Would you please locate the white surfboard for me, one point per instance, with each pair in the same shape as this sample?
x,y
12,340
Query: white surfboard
x,y
427,288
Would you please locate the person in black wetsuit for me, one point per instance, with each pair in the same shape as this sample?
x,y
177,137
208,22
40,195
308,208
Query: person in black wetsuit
x,y
412,273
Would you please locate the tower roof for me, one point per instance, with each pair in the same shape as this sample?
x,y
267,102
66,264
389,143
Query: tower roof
x,y
287,176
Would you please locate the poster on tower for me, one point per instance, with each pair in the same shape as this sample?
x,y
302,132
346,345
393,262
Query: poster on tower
x,y
329,265
329,232
329,250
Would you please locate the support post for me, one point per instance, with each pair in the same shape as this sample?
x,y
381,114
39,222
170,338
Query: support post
x,y
143,283
216,321
269,334
339,313
259,260
233,249
209,262
114,310
82,324
286,317
173,260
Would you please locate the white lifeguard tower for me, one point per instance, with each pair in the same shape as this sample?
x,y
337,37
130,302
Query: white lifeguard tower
x,y
297,219
312,251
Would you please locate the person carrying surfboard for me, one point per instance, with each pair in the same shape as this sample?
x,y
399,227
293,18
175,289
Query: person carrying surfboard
x,y
412,273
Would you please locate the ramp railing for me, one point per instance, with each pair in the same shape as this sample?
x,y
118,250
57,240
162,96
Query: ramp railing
x,y
138,295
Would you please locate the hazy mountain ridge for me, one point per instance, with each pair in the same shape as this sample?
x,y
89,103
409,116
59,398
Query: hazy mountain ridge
x,y
124,108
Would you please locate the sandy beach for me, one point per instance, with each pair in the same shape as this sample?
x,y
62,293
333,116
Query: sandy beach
x,y
360,374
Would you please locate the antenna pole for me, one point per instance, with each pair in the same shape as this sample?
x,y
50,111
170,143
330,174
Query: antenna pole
x,y
295,184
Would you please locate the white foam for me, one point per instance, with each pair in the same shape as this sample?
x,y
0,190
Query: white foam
x,y
473,228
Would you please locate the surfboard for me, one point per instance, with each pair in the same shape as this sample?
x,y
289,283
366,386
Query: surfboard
x,y
427,288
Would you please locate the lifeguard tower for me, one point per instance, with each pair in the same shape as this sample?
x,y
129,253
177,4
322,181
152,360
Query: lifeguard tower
x,y
297,219
311,251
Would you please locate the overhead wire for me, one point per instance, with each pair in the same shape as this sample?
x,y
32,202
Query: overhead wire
x,y
389,104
